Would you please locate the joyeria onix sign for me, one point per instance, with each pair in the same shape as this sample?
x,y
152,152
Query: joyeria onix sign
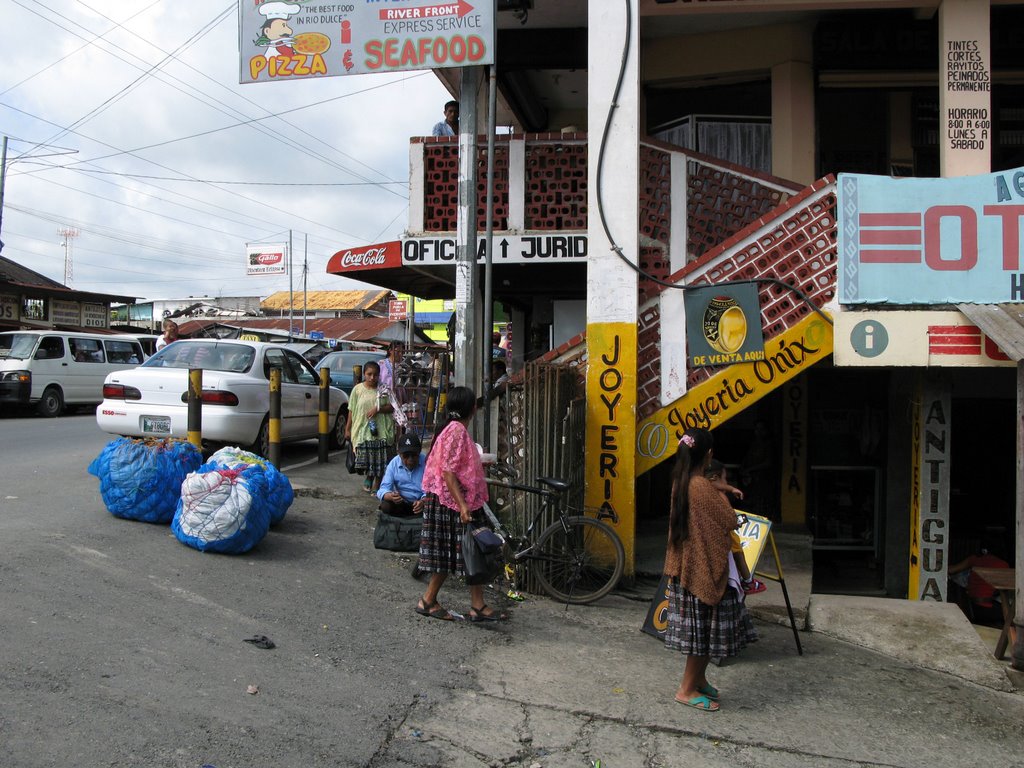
x,y
732,389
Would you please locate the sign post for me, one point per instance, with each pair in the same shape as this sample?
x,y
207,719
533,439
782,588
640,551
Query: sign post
x,y
755,534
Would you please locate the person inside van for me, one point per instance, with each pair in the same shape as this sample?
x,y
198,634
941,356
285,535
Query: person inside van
x,y
50,348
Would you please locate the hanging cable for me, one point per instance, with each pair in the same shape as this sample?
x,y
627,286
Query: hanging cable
x,y
601,210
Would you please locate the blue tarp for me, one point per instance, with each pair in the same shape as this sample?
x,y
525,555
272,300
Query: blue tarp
x,y
229,503
141,479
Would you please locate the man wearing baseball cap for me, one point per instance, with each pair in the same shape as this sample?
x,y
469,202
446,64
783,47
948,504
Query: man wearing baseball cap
x,y
401,490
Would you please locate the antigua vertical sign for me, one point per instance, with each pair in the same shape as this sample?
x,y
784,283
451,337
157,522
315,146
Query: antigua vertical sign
x,y
929,525
280,40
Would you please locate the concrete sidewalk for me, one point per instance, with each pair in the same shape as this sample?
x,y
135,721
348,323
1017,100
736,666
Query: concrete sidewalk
x,y
880,682
925,635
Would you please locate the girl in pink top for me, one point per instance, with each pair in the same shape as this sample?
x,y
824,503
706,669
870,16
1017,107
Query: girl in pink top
x,y
453,481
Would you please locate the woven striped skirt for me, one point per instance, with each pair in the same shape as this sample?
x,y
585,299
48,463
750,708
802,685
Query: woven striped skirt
x,y
441,540
697,629
373,456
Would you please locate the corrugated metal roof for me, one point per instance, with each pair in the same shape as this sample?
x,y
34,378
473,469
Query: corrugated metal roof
x,y
361,329
1003,323
12,272
328,300
24,279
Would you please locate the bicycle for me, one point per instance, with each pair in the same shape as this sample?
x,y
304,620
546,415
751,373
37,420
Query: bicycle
x,y
576,559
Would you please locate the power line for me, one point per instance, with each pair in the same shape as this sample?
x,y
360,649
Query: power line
x,y
213,103
76,50
160,165
297,128
243,183
131,86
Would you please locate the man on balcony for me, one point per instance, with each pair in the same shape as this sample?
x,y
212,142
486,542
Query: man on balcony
x,y
450,125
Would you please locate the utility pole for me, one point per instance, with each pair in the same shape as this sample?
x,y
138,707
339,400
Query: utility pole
x,y
305,272
68,233
291,291
3,175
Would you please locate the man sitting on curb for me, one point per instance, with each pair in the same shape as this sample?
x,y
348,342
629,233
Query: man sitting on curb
x,y
401,490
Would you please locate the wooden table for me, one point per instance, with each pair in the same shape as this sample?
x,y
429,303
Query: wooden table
x,y
1004,581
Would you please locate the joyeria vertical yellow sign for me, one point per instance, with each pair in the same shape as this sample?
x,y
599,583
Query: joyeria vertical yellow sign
x,y
611,426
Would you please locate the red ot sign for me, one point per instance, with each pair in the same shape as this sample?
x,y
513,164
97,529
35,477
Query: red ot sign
x,y
397,309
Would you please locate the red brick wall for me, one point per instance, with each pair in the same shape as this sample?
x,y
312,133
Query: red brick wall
x,y
556,186
795,244
555,180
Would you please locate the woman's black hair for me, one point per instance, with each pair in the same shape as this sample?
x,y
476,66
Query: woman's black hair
x,y
459,404
371,364
693,447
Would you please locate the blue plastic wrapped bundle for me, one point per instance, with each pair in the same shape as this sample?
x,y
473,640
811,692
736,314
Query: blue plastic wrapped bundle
x,y
141,479
275,487
222,510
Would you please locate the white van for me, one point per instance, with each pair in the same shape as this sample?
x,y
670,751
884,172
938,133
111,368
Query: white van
x,y
51,369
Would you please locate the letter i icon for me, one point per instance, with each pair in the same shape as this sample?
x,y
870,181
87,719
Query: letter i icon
x,y
869,337
346,32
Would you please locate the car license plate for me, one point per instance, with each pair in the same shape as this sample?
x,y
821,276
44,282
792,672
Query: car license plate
x,y
160,425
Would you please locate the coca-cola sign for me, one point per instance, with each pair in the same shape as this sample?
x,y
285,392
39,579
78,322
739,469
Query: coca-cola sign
x,y
377,256
371,257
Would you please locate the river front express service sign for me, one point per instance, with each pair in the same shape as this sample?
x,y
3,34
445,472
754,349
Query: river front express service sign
x,y
931,241
279,40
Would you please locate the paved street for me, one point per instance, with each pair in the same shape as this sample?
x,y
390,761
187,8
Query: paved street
x,y
121,647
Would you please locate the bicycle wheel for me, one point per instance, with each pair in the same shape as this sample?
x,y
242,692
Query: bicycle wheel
x,y
579,562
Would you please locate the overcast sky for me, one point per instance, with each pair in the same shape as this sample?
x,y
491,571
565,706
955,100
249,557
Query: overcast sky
x,y
127,123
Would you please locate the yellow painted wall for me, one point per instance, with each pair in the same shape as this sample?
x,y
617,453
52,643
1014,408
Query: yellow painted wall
x,y
611,427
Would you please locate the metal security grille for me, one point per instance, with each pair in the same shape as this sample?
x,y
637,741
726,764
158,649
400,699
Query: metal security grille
x,y
543,426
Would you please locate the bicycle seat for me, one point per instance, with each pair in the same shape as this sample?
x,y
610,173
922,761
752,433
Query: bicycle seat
x,y
554,482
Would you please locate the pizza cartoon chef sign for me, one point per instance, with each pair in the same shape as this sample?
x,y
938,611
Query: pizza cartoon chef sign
x,y
276,35
291,39
286,54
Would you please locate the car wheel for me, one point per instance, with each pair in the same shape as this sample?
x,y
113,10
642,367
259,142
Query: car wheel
x,y
337,436
51,403
262,445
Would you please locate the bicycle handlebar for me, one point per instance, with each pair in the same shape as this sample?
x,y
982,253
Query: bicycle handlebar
x,y
521,487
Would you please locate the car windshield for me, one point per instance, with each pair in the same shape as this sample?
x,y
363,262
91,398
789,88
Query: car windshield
x,y
208,355
17,346
343,361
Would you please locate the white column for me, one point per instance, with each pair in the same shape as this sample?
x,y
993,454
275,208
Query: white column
x,y
613,201
965,88
517,185
678,245
417,186
611,284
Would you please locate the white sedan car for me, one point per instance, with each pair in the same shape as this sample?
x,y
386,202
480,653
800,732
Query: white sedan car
x,y
151,400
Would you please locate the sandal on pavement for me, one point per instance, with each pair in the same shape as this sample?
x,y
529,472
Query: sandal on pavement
x,y
432,610
703,703
754,587
478,615
708,690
